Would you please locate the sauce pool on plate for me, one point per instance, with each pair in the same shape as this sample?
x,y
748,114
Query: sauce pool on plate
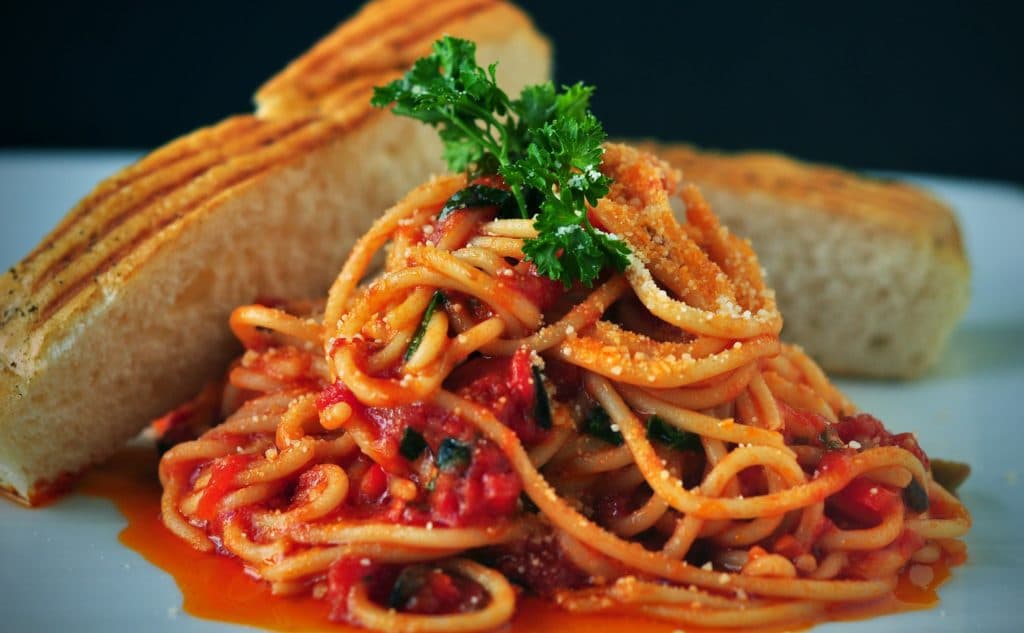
x,y
217,587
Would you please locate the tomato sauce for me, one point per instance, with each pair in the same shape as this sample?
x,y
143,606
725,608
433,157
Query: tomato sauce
x,y
217,588
461,478
222,481
541,290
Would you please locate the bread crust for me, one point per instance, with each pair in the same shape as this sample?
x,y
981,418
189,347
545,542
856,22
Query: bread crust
x,y
897,206
385,39
834,242
120,312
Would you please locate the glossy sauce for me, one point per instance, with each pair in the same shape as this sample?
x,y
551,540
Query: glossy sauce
x,y
217,588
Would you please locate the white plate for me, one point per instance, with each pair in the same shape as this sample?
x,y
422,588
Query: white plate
x,y
62,567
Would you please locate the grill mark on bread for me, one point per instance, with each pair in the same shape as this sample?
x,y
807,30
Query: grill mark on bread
x,y
381,23
910,281
348,96
372,19
124,204
52,354
320,71
80,247
338,102
907,208
438,14
299,141
163,158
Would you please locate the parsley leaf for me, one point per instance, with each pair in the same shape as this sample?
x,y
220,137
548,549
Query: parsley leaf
x,y
410,581
475,196
661,431
541,403
452,454
412,444
448,90
599,424
436,301
546,144
915,496
830,439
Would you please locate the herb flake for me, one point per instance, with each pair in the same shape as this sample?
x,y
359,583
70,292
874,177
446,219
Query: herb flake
x,y
452,454
435,301
542,404
412,444
660,431
599,424
475,196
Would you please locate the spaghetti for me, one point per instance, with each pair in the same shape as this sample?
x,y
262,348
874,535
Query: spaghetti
x,y
450,428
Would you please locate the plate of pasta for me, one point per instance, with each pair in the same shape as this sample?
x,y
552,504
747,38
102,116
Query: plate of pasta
x,y
534,397
65,567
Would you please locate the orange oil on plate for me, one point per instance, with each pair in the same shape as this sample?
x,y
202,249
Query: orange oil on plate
x,y
217,588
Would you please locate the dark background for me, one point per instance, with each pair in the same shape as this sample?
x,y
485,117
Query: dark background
x,y
928,87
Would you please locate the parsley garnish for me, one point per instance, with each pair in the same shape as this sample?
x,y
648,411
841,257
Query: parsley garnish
x,y
599,424
915,496
475,196
410,581
452,454
830,439
436,301
661,431
412,444
546,144
541,404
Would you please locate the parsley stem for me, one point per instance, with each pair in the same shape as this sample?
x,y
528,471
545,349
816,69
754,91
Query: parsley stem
x,y
476,134
498,149
517,192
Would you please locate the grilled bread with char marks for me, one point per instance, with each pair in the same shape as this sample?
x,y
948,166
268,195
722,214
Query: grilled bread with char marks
x,y
870,275
121,312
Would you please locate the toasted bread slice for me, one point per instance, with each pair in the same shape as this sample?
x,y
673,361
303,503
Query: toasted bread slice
x,y
870,274
120,313
390,36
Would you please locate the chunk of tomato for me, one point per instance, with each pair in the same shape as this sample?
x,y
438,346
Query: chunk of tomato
x,y
864,501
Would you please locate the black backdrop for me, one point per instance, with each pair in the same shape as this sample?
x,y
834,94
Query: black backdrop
x,y
917,86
